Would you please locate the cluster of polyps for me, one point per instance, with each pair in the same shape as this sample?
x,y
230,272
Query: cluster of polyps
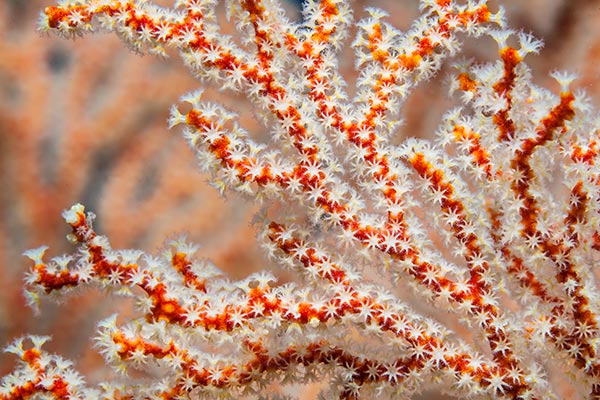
x,y
510,255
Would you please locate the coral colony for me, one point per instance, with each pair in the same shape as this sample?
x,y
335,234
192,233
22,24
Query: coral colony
x,y
463,262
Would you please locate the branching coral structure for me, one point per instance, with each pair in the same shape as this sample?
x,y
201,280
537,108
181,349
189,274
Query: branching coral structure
x,y
464,261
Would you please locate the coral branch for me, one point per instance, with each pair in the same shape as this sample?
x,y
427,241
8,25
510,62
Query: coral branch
x,y
465,260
